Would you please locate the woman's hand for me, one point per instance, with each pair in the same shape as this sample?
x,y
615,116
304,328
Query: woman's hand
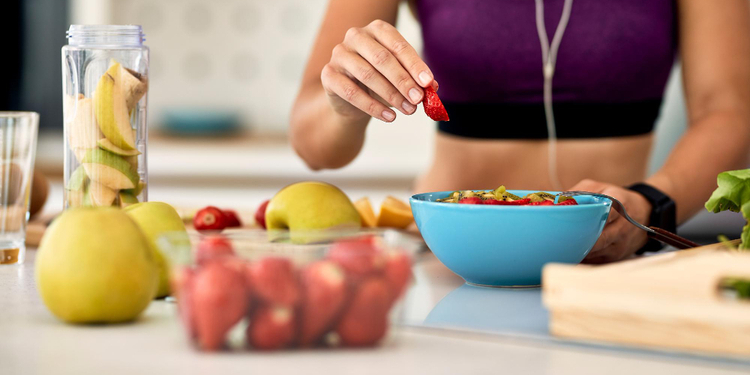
x,y
620,239
372,69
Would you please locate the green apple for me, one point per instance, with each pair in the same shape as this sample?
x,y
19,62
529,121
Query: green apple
x,y
109,169
111,108
106,144
157,219
309,206
94,265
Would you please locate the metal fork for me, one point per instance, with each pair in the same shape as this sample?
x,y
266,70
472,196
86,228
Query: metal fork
x,y
656,233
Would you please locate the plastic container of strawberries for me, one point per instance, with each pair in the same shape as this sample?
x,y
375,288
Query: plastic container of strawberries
x,y
263,290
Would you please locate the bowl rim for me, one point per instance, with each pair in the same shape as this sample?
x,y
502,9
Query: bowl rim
x,y
604,202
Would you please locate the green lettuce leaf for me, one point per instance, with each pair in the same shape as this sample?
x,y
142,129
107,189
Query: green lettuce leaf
x,y
733,194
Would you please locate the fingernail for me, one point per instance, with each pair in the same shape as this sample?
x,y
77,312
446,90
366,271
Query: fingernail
x,y
408,107
425,78
388,116
415,95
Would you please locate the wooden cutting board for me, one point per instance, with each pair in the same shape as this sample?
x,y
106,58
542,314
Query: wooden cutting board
x,y
672,300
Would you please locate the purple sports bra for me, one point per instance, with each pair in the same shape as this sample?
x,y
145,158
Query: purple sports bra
x,y
612,65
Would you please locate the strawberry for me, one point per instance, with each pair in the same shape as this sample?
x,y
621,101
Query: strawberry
x,y
213,247
219,302
542,203
233,220
569,202
323,295
519,202
210,219
491,201
471,200
433,107
359,257
271,328
397,272
182,285
365,320
260,214
274,281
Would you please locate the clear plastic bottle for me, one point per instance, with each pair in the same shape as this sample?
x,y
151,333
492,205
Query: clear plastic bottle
x,y
105,85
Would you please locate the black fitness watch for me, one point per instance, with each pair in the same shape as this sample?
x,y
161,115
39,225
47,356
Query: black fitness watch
x,y
663,213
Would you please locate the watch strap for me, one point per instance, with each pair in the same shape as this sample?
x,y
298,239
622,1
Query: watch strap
x,y
663,213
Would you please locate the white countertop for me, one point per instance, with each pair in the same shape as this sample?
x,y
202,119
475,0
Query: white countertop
x,y
32,341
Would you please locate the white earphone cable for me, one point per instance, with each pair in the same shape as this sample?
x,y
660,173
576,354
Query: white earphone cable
x,y
549,59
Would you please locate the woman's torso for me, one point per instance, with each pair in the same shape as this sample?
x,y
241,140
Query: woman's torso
x,y
614,54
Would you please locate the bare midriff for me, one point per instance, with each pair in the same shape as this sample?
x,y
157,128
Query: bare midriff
x,y
465,163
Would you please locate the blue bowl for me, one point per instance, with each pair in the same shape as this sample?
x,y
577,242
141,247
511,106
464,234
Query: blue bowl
x,y
507,245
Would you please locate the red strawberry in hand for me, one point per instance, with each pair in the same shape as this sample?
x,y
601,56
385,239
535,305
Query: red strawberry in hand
x,y
260,215
323,295
433,107
210,219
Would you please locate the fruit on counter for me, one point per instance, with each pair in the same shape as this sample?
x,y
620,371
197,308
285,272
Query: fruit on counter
x,y
182,283
155,220
213,247
271,327
94,265
210,218
260,214
274,281
233,220
101,195
80,126
219,301
360,257
127,198
733,194
109,169
311,205
107,145
323,295
433,107
366,214
365,320
394,213
501,197
397,272
111,107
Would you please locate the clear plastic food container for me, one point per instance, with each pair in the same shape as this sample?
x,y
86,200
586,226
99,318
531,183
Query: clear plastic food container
x,y
280,290
105,82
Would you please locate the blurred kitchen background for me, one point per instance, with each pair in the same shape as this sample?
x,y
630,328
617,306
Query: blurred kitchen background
x,y
236,62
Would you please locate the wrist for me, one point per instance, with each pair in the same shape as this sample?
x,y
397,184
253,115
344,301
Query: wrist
x,y
663,212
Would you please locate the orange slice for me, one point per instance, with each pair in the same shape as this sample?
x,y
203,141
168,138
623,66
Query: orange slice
x,y
366,214
395,213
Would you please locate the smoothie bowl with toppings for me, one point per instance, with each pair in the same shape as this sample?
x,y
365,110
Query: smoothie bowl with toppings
x,y
504,237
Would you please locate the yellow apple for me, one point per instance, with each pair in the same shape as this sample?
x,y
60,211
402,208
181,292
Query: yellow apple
x,y
311,205
155,220
94,265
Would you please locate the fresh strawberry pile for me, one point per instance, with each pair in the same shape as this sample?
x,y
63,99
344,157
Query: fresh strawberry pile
x,y
343,298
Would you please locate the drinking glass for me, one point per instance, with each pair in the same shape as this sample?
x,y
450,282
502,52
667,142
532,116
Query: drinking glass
x,y
17,149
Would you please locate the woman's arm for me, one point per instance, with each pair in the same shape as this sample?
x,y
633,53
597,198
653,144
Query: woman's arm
x,y
360,66
715,47
715,50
